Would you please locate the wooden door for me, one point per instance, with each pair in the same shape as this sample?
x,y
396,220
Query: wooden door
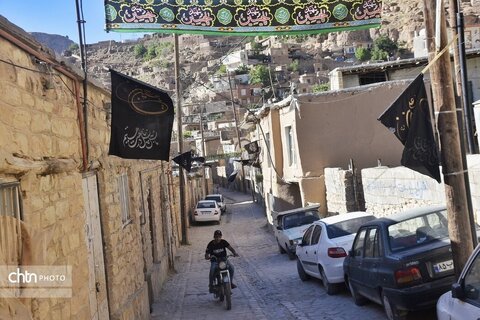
x,y
97,284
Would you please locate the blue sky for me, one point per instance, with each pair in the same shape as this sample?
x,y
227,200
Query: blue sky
x,y
60,17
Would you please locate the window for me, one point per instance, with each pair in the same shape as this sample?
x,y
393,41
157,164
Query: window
x,y
267,149
472,281
316,235
290,145
243,92
14,248
10,200
306,236
358,245
372,244
124,199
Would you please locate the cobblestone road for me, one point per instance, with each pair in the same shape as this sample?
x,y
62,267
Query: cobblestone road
x,y
268,284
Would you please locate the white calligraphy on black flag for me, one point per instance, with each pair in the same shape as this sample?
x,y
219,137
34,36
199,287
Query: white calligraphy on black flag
x,y
142,119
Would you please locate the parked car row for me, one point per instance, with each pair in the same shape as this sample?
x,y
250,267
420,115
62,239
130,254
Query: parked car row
x,y
209,209
402,262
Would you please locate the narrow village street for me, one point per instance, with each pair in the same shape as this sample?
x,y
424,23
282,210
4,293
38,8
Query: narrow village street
x,y
268,283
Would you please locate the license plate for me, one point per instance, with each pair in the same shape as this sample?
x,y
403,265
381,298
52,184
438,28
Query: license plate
x,y
205,212
443,266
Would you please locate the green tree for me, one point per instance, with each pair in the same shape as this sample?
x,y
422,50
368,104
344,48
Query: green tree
x,y
222,69
293,66
243,69
73,47
379,54
385,44
321,87
362,54
187,134
151,52
139,50
260,74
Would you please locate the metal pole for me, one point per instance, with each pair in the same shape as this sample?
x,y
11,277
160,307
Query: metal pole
x,y
83,56
244,189
205,187
467,108
181,178
465,119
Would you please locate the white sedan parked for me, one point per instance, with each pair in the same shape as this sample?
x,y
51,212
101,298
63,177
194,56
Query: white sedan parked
x,y
325,245
207,210
463,301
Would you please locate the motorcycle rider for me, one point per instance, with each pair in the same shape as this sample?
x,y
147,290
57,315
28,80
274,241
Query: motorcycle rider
x,y
217,248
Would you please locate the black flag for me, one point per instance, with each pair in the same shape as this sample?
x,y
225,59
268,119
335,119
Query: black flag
x,y
252,147
409,119
199,159
184,160
232,176
142,120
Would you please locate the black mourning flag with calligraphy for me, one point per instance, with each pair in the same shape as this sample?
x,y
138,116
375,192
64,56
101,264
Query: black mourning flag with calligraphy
x,y
232,176
185,160
409,119
142,120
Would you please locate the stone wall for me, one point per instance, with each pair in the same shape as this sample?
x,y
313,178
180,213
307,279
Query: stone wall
x,y
41,150
344,193
389,190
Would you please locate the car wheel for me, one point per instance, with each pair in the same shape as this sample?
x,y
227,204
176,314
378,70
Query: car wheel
x,y
329,287
391,311
280,249
357,298
301,272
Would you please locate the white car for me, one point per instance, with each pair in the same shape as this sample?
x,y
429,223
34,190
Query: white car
x,y
325,245
463,301
219,199
207,210
290,226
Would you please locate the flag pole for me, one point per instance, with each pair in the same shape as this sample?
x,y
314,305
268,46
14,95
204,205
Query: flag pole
x,y
205,186
244,189
183,214
460,230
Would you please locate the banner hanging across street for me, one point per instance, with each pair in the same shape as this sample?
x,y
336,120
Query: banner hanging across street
x,y
242,17
142,120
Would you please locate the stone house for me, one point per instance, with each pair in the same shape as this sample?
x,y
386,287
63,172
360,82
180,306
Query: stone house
x,y
110,223
357,75
304,134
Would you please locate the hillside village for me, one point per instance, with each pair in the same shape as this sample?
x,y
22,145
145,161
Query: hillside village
x,y
311,104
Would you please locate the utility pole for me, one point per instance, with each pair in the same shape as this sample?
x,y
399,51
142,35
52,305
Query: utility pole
x,y
181,178
205,187
444,100
466,130
244,189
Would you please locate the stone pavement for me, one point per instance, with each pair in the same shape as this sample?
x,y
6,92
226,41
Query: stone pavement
x,y
268,283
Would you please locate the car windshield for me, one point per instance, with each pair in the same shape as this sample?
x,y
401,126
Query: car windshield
x,y
344,228
206,204
301,218
214,198
418,230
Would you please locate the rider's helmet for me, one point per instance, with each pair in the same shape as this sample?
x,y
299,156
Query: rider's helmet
x,y
217,233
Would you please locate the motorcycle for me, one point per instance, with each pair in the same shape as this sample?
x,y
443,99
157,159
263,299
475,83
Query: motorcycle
x,y
222,288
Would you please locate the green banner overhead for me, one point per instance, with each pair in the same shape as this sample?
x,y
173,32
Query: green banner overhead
x,y
242,17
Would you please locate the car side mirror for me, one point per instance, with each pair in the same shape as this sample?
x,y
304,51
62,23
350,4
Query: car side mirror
x,y
350,253
457,291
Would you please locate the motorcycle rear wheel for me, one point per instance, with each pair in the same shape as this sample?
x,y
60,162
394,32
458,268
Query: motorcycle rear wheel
x,y
228,295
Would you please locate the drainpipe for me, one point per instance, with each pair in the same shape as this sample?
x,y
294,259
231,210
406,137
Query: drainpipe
x,y
65,72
